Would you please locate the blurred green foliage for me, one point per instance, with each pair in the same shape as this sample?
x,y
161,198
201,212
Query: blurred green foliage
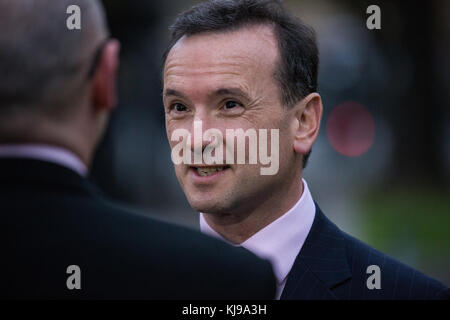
x,y
412,226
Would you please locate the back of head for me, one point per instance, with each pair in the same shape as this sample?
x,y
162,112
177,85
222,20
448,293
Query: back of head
x,y
43,64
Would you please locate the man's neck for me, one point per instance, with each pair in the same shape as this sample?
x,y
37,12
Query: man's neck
x,y
238,227
44,152
40,131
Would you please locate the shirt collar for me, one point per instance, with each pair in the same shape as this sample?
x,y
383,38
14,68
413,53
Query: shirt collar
x,y
281,241
47,153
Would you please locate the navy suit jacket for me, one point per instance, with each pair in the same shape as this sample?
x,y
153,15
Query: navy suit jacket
x,y
332,265
52,218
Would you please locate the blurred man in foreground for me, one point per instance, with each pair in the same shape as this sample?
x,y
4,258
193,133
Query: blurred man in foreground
x,y
58,237
248,66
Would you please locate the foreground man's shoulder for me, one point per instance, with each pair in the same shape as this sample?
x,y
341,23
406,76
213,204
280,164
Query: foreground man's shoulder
x,y
194,259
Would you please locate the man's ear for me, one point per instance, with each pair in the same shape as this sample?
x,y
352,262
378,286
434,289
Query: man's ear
x,y
104,94
308,114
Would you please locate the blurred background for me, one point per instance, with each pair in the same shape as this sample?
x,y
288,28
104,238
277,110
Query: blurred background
x,y
381,166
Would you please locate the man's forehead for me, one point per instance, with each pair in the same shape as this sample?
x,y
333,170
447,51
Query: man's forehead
x,y
251,46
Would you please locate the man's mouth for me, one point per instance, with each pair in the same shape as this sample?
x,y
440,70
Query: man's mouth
x,y
208,171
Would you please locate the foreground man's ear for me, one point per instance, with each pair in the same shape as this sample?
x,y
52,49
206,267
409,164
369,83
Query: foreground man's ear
x,y
308,113
104,93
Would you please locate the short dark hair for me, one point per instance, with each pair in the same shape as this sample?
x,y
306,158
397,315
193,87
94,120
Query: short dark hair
x,y
299,56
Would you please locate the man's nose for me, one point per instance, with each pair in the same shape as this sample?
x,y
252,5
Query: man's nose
x,y
200,124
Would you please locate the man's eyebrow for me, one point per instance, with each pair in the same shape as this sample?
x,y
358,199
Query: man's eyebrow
x,y
172,92
219,92
230,91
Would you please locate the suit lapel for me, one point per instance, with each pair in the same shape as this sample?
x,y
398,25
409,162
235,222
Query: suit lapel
x,y
321,264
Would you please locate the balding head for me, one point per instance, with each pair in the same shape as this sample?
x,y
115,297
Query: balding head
x,y
49,91
43,64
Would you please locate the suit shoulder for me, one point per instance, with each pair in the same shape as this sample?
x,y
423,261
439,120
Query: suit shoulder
x,y
121,252
190,257
398,280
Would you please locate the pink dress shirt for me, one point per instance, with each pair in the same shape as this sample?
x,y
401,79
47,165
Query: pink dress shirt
x,y
281,241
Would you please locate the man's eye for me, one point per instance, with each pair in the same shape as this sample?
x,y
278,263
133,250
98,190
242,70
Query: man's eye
x,y
231,104
179,107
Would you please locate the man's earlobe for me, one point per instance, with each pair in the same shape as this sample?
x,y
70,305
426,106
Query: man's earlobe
x,y
308,115
104,92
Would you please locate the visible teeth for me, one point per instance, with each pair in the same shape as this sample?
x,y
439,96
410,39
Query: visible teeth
x,y
208,171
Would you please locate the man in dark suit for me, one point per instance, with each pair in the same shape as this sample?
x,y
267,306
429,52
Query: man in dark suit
x,y
59,238
248,66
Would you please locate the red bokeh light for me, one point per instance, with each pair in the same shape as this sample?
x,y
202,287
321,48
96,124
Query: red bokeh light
x,y
350,129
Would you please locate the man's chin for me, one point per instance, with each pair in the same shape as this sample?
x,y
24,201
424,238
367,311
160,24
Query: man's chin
x,y
202,200
205,208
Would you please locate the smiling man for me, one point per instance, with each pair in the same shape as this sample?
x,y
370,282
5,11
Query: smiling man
x,y
247,64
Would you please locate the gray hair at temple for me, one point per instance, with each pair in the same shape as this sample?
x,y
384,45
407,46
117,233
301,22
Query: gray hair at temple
x,y
43,64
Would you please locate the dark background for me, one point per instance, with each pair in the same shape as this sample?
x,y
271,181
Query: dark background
x,y
395,196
